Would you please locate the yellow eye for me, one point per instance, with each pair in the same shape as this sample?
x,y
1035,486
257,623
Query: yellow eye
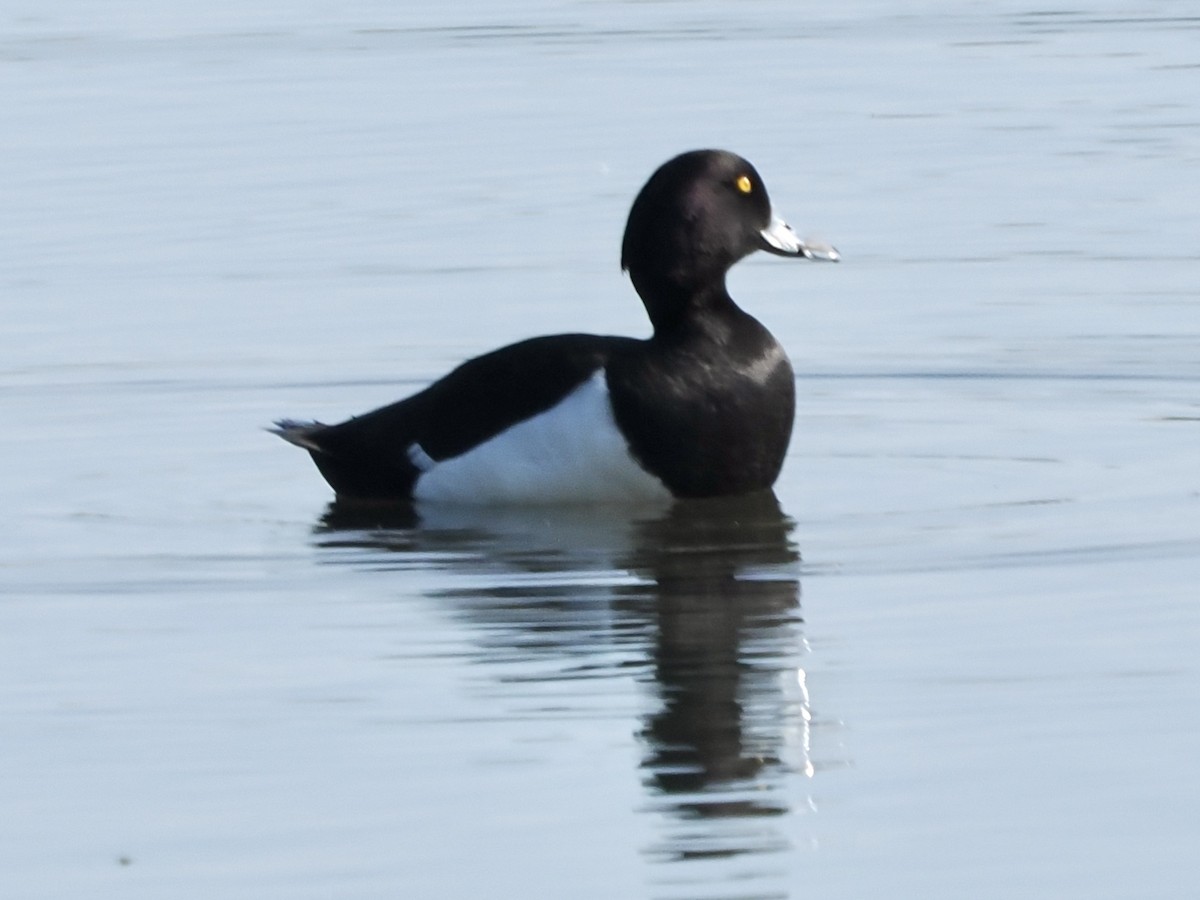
x,y
743,184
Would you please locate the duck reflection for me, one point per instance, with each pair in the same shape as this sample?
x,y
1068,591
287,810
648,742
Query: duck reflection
x,y
732,721
699,601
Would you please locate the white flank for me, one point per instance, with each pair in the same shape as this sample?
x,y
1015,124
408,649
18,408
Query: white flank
x,y
572,453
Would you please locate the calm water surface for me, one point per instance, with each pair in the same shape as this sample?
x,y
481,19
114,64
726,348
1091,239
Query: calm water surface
x,y
954,657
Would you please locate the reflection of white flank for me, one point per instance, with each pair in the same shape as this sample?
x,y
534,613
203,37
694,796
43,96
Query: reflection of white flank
x,y
799,718
805,725
571,452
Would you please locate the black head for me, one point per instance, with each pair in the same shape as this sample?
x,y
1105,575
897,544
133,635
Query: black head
x,y
698,215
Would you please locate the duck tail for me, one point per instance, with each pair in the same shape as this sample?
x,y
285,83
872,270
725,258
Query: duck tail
x,y
302,434
358,465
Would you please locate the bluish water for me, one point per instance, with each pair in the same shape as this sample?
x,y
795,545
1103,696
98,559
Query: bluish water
x,y
956,659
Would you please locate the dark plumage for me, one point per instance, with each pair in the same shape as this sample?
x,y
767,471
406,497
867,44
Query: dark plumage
x,y
703,407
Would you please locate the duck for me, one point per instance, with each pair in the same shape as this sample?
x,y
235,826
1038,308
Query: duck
x,y
702,408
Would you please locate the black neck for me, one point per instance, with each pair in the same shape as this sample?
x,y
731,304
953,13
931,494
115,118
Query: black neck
x,y
670,302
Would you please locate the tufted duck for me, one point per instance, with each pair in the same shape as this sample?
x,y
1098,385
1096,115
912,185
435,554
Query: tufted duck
x,y
702,408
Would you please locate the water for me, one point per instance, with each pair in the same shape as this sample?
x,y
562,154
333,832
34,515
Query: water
x,y
956,659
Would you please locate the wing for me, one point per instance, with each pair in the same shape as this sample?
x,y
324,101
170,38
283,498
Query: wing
x,y
372,457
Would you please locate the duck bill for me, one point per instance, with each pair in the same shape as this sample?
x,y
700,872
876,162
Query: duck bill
x,y
778,238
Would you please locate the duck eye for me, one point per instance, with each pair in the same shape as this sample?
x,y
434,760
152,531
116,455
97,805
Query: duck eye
x,y
743,184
